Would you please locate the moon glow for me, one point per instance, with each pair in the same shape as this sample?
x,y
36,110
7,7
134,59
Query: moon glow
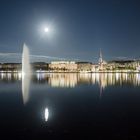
x,y
46,29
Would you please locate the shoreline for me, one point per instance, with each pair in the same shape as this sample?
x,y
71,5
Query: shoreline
x,y
73,72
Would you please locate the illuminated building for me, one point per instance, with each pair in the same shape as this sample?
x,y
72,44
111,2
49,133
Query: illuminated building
x,y
63,66
84,66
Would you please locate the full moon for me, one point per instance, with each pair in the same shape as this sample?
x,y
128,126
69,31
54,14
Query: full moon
x,y
46,29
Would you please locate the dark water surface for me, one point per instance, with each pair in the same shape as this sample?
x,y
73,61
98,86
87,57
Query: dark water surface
x,y
70,106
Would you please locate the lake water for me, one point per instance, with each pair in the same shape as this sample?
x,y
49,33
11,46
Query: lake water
x,y
70,106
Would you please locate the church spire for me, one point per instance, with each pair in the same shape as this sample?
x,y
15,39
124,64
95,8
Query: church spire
x,y
100,57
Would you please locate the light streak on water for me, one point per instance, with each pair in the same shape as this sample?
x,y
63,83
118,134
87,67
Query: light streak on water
x,y
46,114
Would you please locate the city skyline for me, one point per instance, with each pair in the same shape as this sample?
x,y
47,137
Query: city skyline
x,y
78,29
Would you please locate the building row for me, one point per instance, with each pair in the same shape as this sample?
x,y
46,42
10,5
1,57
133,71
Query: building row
x,y
72,66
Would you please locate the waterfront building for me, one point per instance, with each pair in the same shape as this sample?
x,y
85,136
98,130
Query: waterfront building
x,y
84,66
122,65
63,66
10,66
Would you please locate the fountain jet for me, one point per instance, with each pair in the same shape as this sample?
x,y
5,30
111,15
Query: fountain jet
x,y
26,74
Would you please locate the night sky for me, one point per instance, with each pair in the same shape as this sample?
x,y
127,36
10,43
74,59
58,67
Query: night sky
x,y
77,28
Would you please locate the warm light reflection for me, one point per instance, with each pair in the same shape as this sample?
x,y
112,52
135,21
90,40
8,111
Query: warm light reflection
x,y
70,80
46,114
19,75
102,79
62,80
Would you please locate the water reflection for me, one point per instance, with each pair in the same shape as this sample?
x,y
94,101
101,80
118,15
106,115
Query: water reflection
x,y
74,79
62,80
102,79
6,76
65,80
46,114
